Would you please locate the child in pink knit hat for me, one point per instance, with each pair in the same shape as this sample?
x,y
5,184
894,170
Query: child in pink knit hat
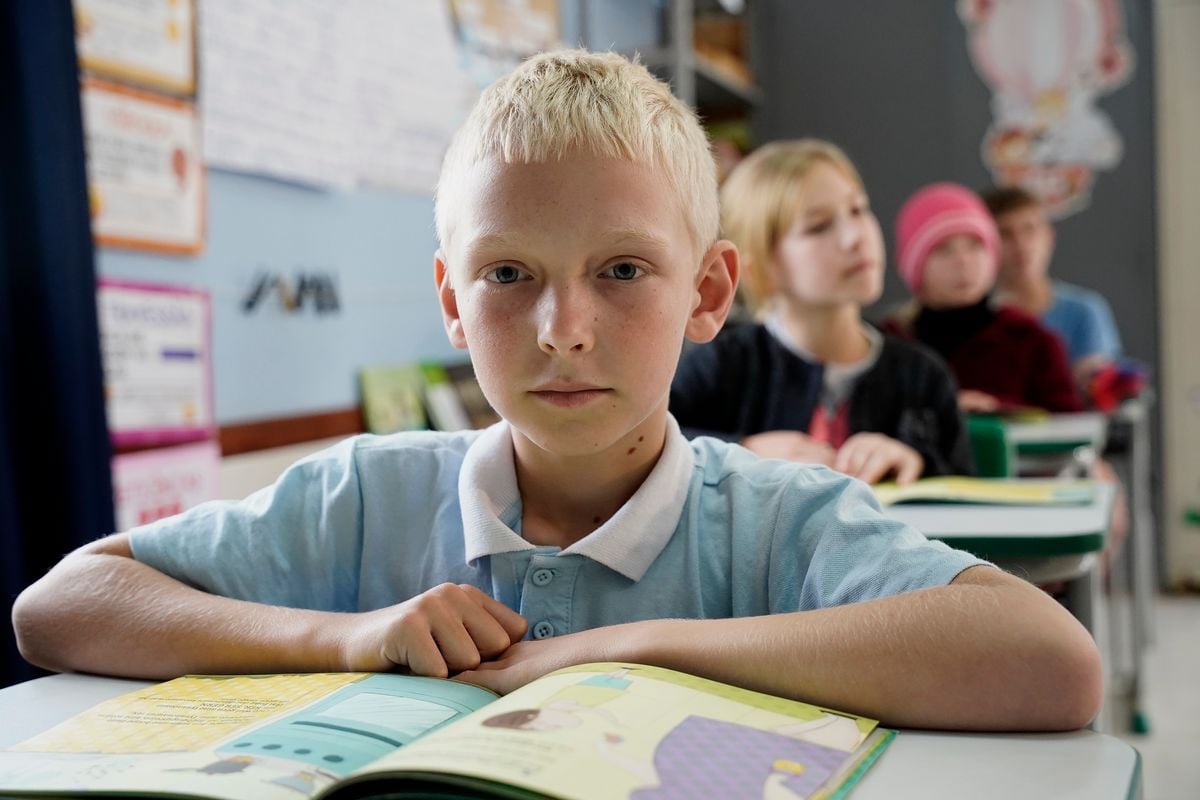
x,y
947,253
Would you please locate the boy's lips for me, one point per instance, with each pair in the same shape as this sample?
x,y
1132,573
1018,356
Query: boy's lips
x,y
566,394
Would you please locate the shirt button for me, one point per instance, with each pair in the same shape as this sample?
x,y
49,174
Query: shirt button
x,y
543,630
541,577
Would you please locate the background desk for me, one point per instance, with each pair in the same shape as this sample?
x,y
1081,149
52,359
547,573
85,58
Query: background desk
x,y
1058,433
1065,766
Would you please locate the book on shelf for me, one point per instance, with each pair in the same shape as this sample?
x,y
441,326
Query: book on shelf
x,y
989,491
392,398
591,731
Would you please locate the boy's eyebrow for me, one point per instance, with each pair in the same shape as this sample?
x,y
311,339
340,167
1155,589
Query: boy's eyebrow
x,y
506,240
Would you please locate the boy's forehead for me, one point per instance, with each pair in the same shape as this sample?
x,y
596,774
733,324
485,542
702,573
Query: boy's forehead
x,y
584,194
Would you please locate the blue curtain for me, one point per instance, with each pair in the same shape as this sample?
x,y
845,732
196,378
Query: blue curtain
x,y
55,485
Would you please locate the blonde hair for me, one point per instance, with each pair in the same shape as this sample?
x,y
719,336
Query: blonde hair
x,y
600,102
762,197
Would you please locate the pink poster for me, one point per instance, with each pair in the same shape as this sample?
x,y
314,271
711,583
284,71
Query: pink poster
x,y
153,484
1047,63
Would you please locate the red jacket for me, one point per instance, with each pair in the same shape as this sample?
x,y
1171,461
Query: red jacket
x,y
1015,360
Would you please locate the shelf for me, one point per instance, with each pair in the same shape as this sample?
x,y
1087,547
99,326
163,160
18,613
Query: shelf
x,y
716,91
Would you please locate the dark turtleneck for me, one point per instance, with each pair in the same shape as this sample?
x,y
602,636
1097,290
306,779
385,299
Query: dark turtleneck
x,y
945,330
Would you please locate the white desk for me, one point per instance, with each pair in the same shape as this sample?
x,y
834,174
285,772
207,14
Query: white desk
x,y
1041,445
1068,766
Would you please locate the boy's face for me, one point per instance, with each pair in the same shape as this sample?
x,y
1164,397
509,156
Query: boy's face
x,y
833,252
958,272
1026,243
572,284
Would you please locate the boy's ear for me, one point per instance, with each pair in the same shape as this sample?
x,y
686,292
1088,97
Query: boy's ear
x,y
448,301
716,285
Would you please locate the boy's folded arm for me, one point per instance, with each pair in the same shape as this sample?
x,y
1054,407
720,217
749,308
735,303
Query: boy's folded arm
x,y
101,610
988,652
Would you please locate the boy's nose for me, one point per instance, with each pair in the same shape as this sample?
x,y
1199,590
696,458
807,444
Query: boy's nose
x,y
567,322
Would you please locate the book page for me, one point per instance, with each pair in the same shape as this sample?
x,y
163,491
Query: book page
x,y
267,737
989,491
616,730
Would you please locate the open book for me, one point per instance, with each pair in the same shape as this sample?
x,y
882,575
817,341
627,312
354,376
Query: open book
x,y
989,491
593,731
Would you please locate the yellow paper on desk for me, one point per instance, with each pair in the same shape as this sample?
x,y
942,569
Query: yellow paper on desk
x,y
989,491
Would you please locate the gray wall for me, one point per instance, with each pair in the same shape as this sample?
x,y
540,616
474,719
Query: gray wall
x,y
892,83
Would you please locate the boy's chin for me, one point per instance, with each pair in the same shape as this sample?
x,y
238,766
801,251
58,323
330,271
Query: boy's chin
x,y
580,438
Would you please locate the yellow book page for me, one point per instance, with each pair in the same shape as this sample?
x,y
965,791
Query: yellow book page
x,y
619,730
189,713
1018,491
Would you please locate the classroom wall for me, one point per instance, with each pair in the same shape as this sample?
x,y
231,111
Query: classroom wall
x,y
377,246
893,84
1178,61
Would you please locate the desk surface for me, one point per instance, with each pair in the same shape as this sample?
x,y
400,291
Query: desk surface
x,y
1064,766
1014,531
1057,433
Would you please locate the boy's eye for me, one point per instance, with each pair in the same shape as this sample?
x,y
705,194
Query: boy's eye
x,y
624,271
504,274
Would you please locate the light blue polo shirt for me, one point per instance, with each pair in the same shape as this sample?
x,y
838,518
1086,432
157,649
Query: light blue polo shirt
x,y
713,532
1083,320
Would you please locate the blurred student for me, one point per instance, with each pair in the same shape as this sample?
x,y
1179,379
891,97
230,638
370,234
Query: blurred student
x,y
814,382
1080,317
1004,359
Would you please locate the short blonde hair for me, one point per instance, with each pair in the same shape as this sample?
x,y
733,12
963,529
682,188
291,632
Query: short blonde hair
x,y
600,102
762,197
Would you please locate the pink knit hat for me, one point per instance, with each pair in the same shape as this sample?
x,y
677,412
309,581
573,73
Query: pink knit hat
x,y
934,214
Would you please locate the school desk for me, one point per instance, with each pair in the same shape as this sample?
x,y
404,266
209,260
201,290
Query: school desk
x,y
1042,444
918,764
1043,544
1134,575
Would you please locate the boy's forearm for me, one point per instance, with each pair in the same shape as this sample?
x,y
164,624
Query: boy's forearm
x,y
110,614
970,656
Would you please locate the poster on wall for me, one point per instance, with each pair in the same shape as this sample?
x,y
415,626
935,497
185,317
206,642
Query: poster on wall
x,y
150,42
1047,64
156,349
153,484
145,176
494,36
345,94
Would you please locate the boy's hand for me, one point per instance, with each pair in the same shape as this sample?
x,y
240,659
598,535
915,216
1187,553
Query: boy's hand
x,y
871,456
528,661
446,629
791,446
973,401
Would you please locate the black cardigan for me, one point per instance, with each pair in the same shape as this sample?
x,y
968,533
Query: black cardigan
x,y
746,382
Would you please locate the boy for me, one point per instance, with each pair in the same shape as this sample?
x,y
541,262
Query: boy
x,y
1080,317
577,214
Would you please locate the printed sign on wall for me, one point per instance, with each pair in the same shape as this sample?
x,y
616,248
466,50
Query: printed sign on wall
x,y
145,41
154,484
1047,63
155,343
145,177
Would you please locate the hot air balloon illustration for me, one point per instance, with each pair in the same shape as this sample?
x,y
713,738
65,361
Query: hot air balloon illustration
x,y
1046,64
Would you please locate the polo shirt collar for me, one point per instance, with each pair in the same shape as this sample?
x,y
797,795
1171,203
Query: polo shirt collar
x,y
627,543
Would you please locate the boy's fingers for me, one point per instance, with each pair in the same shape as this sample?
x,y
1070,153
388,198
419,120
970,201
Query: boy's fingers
x,y
489,636
455,645
424,657
513,623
